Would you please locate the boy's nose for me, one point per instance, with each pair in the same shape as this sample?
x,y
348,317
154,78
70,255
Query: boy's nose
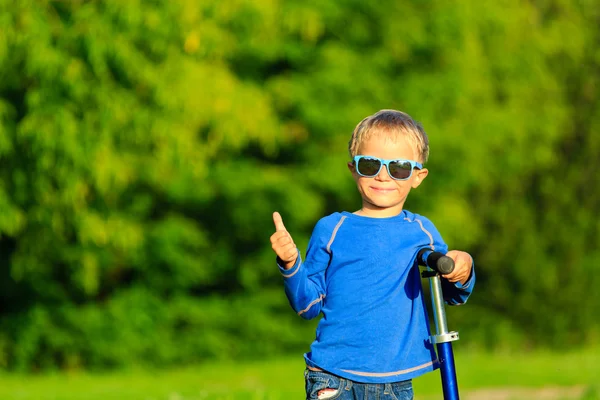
x,y
383,174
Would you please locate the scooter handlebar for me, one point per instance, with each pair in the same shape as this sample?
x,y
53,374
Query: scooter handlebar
x,y
436,261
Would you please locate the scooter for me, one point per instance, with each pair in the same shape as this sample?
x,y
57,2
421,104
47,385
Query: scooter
x,y
439,264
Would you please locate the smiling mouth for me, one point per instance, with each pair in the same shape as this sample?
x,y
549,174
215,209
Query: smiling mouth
x,y
383,190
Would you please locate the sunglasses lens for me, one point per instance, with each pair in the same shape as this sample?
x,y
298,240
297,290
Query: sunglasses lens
x,y
368,166
400,169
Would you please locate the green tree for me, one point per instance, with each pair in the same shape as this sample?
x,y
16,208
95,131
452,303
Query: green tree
x,y
144,146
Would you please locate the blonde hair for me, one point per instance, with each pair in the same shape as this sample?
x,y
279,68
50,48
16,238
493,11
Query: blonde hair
x,y
395,124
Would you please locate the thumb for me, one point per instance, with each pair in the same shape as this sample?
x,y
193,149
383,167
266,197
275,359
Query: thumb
x,y
278,222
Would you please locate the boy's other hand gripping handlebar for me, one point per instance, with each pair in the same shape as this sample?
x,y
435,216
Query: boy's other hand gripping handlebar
x,y
436,261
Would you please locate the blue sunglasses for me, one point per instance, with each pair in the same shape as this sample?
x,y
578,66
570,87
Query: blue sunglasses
x,y
369,166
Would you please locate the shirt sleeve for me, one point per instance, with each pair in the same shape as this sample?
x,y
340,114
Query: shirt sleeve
x,y
304,283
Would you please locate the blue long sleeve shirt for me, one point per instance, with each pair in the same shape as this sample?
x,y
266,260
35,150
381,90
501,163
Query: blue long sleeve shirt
x,y
361,274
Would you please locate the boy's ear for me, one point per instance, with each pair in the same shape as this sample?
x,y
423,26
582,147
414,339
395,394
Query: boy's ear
x,y
351,166
419,176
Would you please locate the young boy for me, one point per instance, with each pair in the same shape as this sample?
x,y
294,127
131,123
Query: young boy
x,y
361,272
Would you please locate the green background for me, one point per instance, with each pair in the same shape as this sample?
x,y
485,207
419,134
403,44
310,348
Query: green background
x,y
145,144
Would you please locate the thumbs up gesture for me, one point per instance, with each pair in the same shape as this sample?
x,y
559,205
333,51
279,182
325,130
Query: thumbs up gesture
x,y
283,244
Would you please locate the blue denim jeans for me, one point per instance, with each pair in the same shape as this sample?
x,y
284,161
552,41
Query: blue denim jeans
x,y
324,386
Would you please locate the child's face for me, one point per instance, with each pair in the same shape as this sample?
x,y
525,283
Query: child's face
x,y
383,196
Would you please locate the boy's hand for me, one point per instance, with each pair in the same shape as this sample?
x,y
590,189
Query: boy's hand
x,y
463,263
283,244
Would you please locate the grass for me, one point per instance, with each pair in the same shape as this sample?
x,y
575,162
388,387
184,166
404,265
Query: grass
x,y
518,376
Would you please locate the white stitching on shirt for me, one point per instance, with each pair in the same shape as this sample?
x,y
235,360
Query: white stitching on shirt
x,y
424,230
293,273
382,374
335,233
312,303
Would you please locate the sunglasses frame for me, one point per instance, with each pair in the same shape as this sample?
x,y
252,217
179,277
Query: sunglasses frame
x,y
382,162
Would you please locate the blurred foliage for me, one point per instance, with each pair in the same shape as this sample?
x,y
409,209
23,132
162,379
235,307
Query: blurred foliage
x,y
145,144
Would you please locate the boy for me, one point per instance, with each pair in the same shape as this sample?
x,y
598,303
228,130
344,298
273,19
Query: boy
x,y
360,272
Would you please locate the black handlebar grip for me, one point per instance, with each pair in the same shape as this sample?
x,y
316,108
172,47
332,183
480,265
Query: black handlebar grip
x,y
436,261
